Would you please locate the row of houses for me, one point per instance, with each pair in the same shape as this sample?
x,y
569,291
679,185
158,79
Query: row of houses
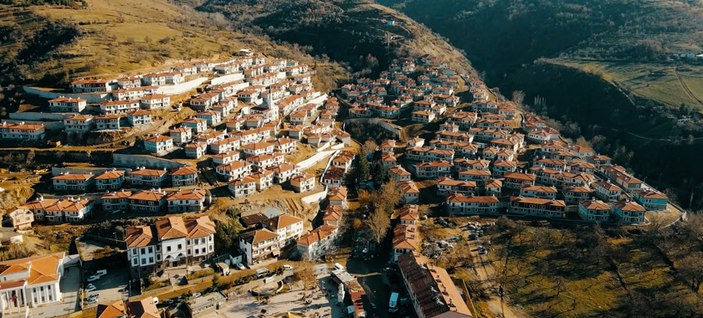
x,y
78,209
114,179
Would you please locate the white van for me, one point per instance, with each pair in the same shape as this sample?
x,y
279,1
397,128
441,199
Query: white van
x,y
393,302
338,266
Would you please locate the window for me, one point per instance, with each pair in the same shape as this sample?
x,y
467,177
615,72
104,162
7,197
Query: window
x,y
151,259
168,248
180,246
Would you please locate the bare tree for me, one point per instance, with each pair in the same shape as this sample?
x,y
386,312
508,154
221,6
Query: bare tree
x,y
693,226
390,195
518,97
369,146
690,268
559,285
378,222
305,275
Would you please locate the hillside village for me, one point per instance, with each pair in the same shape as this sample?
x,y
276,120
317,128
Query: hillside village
x,y
192,136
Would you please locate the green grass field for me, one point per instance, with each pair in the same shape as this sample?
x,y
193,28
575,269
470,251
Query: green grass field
x,y
652,81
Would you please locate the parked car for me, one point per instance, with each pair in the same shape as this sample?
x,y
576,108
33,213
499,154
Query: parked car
x,y
241,266
93,278
196,295
90,288
101,272
287,267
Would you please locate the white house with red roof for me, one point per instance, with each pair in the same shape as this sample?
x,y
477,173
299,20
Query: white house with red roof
x,y
30,282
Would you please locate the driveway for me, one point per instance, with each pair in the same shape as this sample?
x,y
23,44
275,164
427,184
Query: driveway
x,y
112,286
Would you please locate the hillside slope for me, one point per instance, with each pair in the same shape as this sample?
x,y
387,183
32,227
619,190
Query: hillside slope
x,y
54,43
607,70
363,35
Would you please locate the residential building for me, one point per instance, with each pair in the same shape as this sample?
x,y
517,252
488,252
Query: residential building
x,y
55,211
259,245
158,144
31,282
146,177
91,85
303,183
184,176
149,201
144,308
181,135
538,207
432,169
108,122
139,118
187,200
576,194
607,191
447,186
197,125
408,214
337,197
652,200
200,241
233,170
333,215
432,291
405,240
518,180
116,201
78,123
141,249
109,180
333,177
155,101
410,192
629,212
118,106
172,235
459,204
195,150
73,182
423,117
21,219
169,242
399,174
317,242
594,211
536,191
22,131
288,227
67,105
205,305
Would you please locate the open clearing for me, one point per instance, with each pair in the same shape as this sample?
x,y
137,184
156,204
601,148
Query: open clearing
x,y
658,82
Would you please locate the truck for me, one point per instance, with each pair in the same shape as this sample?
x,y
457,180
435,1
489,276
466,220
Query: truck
x,y
393,302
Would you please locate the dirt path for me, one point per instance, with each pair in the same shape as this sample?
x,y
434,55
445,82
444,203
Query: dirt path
x,y
688,91
487,277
